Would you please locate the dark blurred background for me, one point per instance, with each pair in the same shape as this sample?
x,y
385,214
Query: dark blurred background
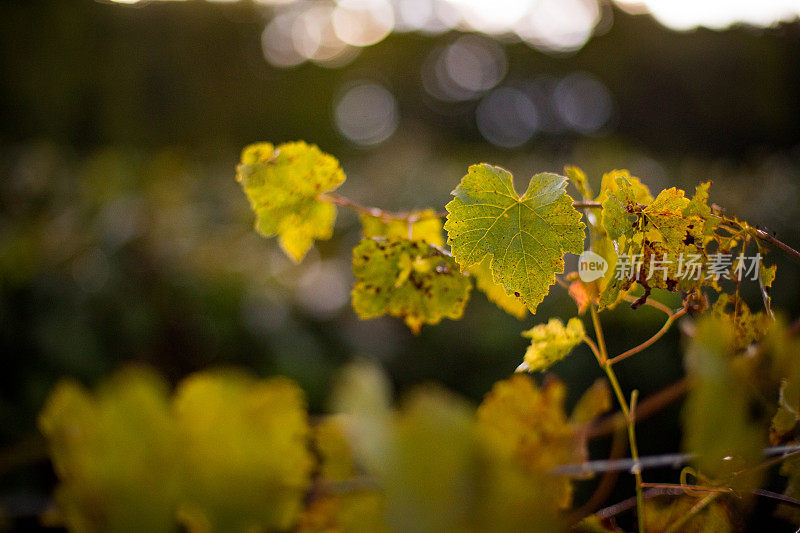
x,y
124,237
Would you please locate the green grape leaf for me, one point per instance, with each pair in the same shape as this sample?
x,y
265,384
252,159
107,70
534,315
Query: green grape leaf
x,y
699,210
426,226
618,209
580,181
551,343
247,462
407,279
526,236
666,215
114,453
495,292
284,184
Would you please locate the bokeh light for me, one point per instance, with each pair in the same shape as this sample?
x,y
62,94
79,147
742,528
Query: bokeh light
x,y
507,117
547,25
366,113
363,22
583,103
465,69
716,14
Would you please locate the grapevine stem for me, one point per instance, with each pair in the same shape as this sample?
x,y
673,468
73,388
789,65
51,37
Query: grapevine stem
x,y
601,341
652,303
579,205
764,236
626,411
649,342
651,404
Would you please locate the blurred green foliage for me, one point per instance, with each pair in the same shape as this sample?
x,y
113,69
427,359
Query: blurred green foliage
x,y
124,237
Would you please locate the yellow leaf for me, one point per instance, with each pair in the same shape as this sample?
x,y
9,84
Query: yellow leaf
x,y
283,185
407,279
529,426
551,342
246,460
114,453
426,226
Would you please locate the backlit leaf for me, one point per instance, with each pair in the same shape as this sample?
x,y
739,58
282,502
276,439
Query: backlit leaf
x,y
748,327
526,236
551,342
409,280
426,226
495,292
698,210
283,185
579,179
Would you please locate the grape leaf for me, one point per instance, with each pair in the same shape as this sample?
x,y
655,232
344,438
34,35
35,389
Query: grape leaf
x,y
283,185
114,452
611,184
247,463
551,342
748,327
528,425
698,209
720,393
618,184
526,236
472,486
580,181
407,279
665,214
662,237
426,226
